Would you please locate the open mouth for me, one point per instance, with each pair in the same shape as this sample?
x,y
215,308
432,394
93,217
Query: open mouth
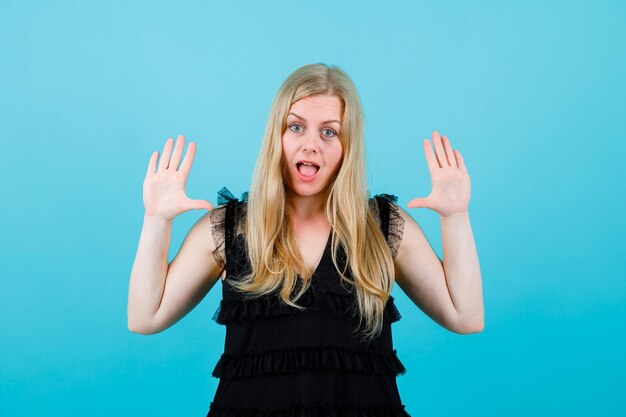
x,y
307,169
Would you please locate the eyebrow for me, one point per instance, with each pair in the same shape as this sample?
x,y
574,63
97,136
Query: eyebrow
x,y
325,121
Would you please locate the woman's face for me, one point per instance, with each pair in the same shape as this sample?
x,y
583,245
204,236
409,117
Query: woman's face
x,y
312,135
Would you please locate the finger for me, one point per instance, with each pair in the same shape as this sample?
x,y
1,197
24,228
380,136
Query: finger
x,y
165,156
460,161
152,163
199,204
178,151
449,153
431,159
418,202
185,167
441,154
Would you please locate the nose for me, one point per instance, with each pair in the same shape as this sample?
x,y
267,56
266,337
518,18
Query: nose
x,y
310,143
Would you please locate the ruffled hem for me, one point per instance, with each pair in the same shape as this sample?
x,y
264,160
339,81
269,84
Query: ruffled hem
x,y
307,358
310,411
234,311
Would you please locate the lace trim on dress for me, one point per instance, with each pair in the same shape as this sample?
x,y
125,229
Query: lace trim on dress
x,y
332,410
308,358
386,211
396,226
234,311
217,216
221,216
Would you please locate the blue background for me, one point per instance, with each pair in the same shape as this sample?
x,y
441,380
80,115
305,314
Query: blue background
x,y
532,93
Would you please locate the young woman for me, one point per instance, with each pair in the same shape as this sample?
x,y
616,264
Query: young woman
x,y
307,261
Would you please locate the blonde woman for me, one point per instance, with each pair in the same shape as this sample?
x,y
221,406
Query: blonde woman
x,y
307,260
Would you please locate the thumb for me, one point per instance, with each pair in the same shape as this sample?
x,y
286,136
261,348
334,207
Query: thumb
x,y
418,203
199,204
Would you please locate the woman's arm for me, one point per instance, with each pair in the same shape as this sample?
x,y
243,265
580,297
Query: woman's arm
x,y
462,270
449,291
160,294
147,277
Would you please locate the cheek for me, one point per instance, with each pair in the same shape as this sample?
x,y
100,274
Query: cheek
x,y
337,155
285,149
288,152
287,143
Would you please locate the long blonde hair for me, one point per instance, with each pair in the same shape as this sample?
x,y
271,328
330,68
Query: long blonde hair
x,y
272,249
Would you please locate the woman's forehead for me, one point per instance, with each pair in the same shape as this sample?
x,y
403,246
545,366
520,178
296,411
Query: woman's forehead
x,y
319,106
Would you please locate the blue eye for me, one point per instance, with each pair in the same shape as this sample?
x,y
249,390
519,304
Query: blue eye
x,y
331,134
298,128
295,125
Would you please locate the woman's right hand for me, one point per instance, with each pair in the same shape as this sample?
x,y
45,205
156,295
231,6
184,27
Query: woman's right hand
x,y
164,188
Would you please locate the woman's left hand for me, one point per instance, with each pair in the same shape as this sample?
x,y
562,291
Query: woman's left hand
x,y
450,182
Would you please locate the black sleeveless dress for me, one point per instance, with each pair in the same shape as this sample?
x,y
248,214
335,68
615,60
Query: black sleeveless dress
x,y
279,361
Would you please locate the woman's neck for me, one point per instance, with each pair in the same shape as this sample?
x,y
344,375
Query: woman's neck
x,y
305,207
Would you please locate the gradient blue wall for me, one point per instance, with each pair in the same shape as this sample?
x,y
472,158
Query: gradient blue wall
x,y
532,93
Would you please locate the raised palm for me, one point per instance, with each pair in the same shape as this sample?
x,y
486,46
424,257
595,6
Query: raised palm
x,y
450,181
164,187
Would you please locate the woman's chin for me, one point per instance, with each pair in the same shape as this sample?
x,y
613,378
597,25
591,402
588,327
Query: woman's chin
x,y
305,189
